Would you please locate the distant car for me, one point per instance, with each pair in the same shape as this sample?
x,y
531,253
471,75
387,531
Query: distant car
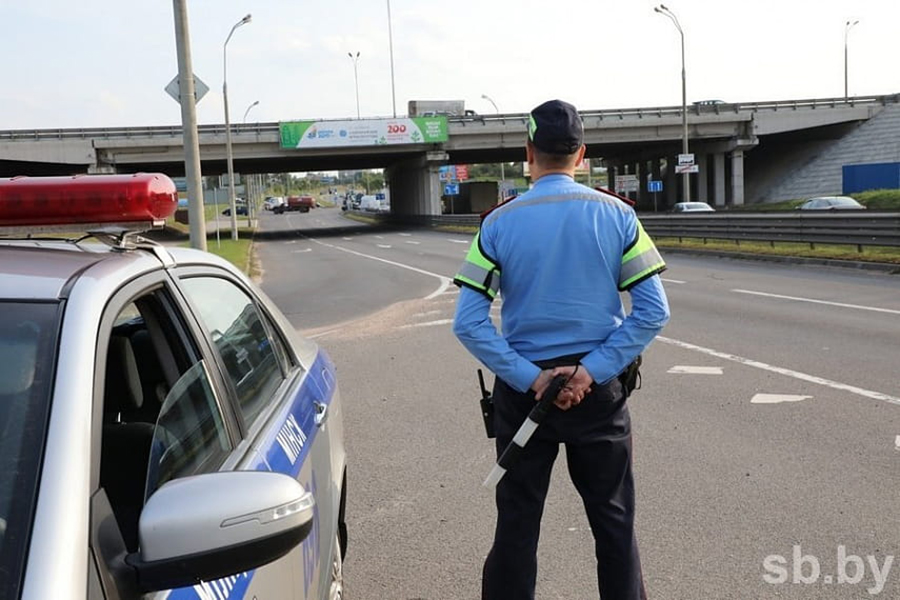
x,y
831,203
241,211
692,207
272,201
708,102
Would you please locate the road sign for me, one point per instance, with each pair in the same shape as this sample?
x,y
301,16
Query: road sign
x,y
462,172
685,159
451,189
626,183
687,169
174,89
654,186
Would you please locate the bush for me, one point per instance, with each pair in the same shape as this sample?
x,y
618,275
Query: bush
x,y
879,199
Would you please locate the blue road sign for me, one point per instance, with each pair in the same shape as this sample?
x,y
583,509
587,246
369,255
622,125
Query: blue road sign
x,y
654,186
451,189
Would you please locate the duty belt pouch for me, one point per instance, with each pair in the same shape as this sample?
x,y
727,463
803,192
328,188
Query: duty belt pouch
x,y
487,407
631,376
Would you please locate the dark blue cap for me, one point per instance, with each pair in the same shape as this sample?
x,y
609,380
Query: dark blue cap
x,y
555,127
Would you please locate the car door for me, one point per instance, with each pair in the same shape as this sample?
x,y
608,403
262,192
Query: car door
x,y
163,412
281,406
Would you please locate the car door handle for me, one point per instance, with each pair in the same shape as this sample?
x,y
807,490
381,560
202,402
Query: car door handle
x,y
321,413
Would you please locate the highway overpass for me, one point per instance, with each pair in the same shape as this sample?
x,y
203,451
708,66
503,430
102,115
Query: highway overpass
x,y
630,141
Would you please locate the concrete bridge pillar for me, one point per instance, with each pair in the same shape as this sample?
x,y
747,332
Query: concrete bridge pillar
x,y
612,169
643,195
719,178
101,169
702,178
656,175
415,185
737,178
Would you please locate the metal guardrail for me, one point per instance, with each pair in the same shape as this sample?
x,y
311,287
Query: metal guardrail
x,y
615,113
871,229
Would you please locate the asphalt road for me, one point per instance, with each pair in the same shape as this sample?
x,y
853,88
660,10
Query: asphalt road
x,y
767,430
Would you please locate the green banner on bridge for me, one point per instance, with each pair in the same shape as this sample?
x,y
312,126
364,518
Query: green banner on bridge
x,y
363,132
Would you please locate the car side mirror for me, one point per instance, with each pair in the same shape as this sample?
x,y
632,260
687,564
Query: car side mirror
x,y
210,526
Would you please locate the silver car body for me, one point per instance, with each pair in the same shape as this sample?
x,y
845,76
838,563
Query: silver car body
x,y
69,555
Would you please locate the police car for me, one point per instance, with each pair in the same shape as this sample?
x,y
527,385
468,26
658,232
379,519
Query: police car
x,y
164,431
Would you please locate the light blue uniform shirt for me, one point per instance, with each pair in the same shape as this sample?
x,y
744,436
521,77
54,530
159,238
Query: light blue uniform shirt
x,y
559,250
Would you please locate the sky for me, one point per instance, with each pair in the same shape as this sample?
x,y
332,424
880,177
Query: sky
x,y
93,63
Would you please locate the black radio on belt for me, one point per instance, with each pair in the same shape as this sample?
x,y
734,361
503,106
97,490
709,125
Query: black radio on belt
x,y
487,406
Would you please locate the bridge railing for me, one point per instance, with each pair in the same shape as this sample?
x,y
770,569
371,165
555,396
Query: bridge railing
x,y
613,113
872,229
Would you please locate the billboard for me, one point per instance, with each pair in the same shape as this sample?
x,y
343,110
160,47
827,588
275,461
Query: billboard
x,y
363,132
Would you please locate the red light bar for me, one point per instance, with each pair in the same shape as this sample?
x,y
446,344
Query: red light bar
x,y
146,198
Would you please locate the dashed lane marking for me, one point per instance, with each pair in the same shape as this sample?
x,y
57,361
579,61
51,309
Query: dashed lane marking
x,y
383,245
814,301
897,443
677,281
460,241
412,242
301,250
781,371
777,398
428,324
405,234
689,370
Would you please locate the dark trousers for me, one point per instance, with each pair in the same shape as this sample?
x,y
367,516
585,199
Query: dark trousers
x,y
597,435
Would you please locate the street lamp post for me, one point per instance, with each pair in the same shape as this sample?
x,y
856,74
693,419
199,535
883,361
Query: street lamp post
x,y
661,9
497,110
355,60
391,48
847,27
246,112
230,156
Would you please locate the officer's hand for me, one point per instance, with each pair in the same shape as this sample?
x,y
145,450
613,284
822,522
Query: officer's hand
x,y
578,385
540,384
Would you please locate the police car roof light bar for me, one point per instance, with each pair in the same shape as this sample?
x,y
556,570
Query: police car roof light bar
x,y
125,202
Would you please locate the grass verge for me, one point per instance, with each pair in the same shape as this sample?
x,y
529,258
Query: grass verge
x,y
879,254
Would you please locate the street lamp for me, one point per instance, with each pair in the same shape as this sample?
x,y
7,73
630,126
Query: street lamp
x,y
248,110
488,98
391,48
847,27
230,157
355,60
661,9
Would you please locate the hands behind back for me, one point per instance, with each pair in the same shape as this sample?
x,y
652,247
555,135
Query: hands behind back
x,y
579,384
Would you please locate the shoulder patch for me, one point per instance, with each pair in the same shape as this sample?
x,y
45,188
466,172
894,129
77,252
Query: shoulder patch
x,y
627,201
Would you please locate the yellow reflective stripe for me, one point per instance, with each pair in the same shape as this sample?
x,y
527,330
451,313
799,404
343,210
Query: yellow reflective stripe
x,y
475,256
478,271
640,261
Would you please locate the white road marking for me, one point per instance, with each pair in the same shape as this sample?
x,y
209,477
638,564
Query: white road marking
x,y
672,280
781,371
346,239
428,323
383,245
776,398
301,250
412,242
426,313
322,334
813,301
897,443
291,242
405,234
445,281
459,241
689,370
379,237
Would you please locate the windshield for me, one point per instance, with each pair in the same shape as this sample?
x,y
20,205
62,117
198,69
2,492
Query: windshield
x,y
27,347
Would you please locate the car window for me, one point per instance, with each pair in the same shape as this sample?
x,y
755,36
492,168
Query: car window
x,y
189,430
161,419
28,334
242,337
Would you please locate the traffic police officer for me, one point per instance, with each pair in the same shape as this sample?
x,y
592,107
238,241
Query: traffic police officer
x,y
559,255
